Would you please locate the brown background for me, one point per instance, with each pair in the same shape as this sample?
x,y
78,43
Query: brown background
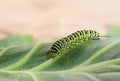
x,y
49,19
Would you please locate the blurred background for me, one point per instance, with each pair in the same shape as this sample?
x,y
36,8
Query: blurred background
x,y
51,19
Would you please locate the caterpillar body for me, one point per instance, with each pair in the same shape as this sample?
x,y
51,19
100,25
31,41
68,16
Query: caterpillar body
x,y
67,42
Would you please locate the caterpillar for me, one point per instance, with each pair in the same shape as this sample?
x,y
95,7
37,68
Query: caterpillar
x,y
68,42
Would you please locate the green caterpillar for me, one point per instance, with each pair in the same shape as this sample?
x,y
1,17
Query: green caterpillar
x,y
67,42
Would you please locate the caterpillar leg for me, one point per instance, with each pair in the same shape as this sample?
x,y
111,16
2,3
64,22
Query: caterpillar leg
x,y
81,41
69,47
52,55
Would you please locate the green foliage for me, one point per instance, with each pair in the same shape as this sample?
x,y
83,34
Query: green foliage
x,y
93,60
114,31
16,40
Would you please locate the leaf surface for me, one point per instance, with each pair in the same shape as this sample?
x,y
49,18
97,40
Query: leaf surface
x,y
16,40
114,31
93,60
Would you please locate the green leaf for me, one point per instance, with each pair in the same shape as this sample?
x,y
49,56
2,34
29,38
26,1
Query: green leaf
x,y
93,60
16,40
114,31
